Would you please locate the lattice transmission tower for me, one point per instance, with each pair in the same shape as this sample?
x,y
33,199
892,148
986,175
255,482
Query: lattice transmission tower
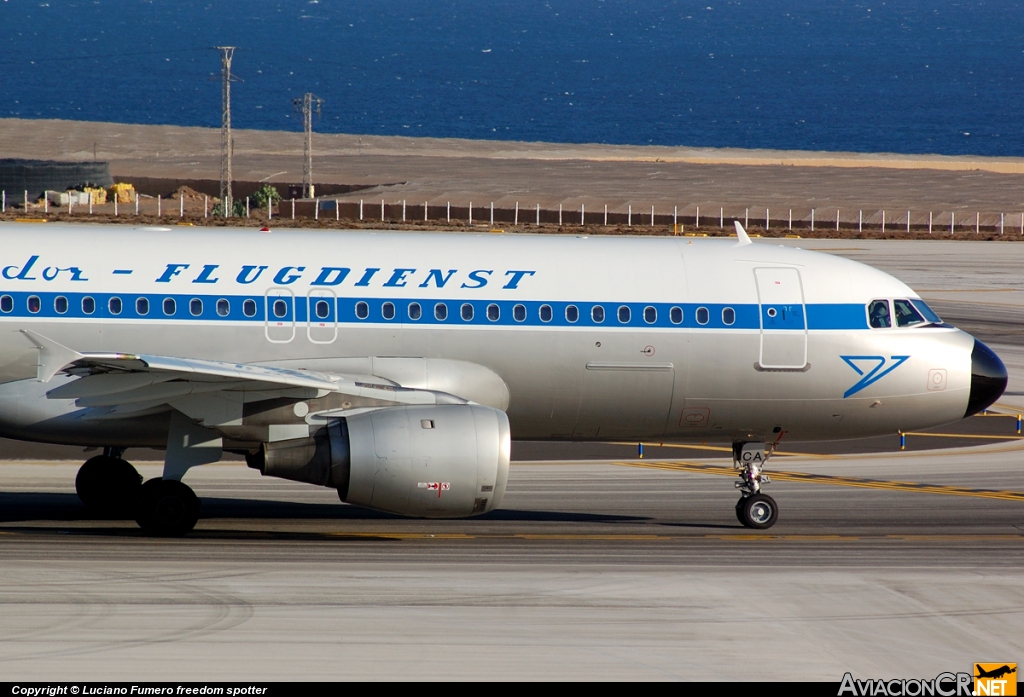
x,y
226,143
308,104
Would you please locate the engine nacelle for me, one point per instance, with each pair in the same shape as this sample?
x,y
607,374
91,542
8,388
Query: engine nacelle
x,y
439,461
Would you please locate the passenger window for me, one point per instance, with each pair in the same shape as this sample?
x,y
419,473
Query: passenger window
x,y
142,306
878,314
703,315
195,306
223,307
114,305
33,304
545,313
249,308
467,312
60,304
280,308
387,310
519,313
170,307
650,315
322,309
362,310
493,312
88,305
597,314
440,312
676,315
906,314
415,311
624,314
6,304
728,316
572,314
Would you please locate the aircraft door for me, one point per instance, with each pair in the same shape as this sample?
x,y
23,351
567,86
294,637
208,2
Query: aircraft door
x,y
783,319
321,316
279,307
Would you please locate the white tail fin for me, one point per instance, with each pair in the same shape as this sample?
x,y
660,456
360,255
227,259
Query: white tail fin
x,y
742,235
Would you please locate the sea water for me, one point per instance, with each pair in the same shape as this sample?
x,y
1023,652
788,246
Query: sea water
x,y
910,76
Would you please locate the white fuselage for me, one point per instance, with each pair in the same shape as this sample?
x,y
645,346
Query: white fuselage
x,y
700,338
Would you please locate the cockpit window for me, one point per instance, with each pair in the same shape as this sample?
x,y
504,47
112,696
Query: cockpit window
x,y
878,314
906,315
926,311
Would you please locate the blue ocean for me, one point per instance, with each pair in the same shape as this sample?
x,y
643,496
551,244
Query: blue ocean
x,y
905,76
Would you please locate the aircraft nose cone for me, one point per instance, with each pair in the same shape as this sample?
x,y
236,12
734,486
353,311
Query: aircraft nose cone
x,y
988,379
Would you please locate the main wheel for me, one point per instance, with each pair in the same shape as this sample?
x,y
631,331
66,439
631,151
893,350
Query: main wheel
x,y
167,508
109,486
758,511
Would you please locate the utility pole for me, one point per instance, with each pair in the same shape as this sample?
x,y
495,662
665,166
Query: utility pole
x,y
308,103
226,144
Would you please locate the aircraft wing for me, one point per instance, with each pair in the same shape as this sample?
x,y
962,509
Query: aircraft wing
x,y
116,385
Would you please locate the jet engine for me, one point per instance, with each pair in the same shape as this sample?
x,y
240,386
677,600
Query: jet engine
x,y
438,461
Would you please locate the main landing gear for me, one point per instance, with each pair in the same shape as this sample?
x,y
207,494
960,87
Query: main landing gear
x,y
754,509
111,487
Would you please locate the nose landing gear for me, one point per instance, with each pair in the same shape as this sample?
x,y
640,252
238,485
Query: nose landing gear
x,y
754,509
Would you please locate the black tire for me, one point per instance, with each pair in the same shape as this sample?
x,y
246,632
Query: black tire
x,y
109,487
167,508
758,511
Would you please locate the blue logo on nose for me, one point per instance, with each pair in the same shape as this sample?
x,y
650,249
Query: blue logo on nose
x,y
872,369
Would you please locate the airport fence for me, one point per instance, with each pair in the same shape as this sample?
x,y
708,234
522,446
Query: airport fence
x,y
678,218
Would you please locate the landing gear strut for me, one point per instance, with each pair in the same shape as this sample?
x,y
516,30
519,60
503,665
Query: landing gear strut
x,y
109,486
754,509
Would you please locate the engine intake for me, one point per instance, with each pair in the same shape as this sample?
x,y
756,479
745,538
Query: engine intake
x,y
438,461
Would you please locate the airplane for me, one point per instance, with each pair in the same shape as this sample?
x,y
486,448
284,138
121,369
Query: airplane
x,y
395,367
995,673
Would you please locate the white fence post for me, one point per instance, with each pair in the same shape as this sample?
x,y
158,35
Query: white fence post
x,y
767,218
360,209
812,220
181,206
837,220
492,213
606,217
425,211
403,210
791,220
538,215
675,217
559,213
952,221
583,214
908,222
652,216
883,222
337,209
860,220
977,222
746,217
449,211
697,221
136,203
160,206
1001,221
115,205
470,212
929,222
629,216
382,210
517,212
721,218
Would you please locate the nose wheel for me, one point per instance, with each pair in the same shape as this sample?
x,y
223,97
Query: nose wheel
x,y
758,511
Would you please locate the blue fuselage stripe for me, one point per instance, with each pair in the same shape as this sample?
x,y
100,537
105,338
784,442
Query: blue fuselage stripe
x,y
347,310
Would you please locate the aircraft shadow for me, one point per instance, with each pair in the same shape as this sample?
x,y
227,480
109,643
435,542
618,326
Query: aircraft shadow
x,y
32,506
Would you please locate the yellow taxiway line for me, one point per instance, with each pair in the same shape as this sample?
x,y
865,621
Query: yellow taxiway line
x,y
700,468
